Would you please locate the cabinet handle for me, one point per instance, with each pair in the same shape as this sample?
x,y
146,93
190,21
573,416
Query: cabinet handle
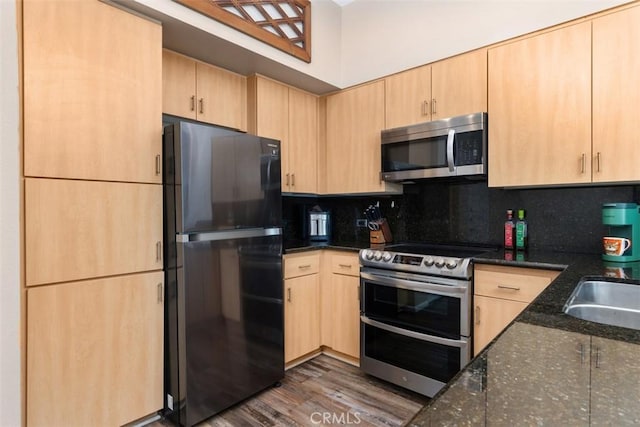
x,y
358,290
344,265
433,106
287,175
425,107
583,163
597,357
201,102
293,179
193,103
511,288
158,164
581,350
477,314
160,297
158,251
302,267
288,294
598,162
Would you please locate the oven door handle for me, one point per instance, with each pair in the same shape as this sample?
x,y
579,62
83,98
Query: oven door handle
x,y
412,334
445,290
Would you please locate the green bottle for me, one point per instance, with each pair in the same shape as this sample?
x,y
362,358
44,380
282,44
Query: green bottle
x,y
521,231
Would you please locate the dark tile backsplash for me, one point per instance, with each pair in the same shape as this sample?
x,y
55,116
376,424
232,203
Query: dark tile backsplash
x,y
561,219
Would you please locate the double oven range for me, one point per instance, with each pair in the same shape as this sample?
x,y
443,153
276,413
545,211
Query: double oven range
x,y
416,313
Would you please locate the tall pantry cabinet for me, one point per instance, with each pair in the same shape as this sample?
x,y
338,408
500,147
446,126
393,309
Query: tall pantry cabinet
x,y
92,97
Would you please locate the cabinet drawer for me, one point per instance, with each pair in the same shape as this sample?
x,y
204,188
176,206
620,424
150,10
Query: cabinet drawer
x,y
345,264
512,283
301,265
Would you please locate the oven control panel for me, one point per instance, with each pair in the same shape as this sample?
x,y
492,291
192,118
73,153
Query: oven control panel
x,y
426,264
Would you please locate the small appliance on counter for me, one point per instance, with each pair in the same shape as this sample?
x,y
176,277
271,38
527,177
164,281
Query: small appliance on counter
x,y
318,225
622,240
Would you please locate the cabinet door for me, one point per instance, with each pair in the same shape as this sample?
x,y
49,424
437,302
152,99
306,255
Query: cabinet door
x,y
221,97
615,375
408,97
301,316
92,92
491,316
269,117
178,85
540,375
303,142
459,85
355,118
540,109
83,229
95,351
616,96
346,314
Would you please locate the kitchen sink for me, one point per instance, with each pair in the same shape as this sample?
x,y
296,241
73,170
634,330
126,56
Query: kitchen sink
x,y
603,301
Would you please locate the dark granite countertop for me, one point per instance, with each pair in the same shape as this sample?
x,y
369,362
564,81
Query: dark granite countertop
x,y
465,401
294,246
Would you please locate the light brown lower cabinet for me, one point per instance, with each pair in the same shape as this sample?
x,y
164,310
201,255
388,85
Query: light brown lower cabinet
x,y
345,303
491,316
95,351
302,305
500,294
322,304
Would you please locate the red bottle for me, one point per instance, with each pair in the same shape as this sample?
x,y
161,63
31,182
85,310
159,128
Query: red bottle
x,y
509,231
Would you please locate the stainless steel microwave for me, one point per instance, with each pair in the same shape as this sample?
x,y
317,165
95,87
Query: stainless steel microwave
x,y
456,146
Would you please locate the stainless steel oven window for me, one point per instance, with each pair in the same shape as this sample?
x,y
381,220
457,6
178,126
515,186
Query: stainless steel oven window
x,y
439,306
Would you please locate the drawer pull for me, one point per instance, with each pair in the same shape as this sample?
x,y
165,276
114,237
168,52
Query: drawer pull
x,y
345,265
302,267
511,288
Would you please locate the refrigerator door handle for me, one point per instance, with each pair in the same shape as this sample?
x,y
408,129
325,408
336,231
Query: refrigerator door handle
x,y
228,234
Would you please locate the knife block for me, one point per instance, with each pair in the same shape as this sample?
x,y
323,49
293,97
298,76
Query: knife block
x,y
383,235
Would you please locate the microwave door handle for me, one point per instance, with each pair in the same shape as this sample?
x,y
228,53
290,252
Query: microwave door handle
x,y
450,160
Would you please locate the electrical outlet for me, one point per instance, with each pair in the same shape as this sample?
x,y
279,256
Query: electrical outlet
x,y
361,223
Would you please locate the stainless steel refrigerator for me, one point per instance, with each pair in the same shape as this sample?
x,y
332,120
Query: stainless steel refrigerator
x,y
224,334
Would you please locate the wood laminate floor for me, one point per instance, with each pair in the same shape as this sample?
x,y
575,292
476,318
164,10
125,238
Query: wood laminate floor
x,y
322,392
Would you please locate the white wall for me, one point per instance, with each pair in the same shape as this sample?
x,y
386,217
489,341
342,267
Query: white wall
x,y
10,392
381,37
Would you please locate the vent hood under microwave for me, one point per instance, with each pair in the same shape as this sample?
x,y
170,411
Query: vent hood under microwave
x,y
451,147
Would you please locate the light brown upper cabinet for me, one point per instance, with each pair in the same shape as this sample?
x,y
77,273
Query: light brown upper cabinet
x,y
291,116
83,229
92,92
616,96
95,351
354,120
200,91
540,109
447,88
408,97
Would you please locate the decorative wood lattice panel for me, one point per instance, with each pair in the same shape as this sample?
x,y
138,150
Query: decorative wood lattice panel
x,y
284,24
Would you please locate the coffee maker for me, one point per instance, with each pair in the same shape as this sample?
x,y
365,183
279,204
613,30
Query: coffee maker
x,y
318,224
622,240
